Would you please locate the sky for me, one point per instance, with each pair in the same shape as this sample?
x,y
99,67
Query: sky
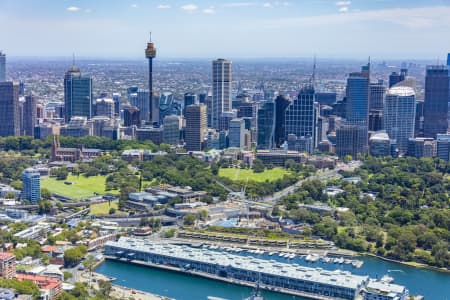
x,y
384,29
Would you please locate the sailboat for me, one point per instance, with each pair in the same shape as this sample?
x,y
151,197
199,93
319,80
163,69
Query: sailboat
x,y
256,294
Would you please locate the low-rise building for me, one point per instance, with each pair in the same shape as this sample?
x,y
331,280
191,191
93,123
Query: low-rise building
x,y
7,265
50,286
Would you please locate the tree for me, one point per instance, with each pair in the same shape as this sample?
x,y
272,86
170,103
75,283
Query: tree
x,y
112,211
189,219
258,166
46,194
441,254
67,275
74,255
45,207
105,287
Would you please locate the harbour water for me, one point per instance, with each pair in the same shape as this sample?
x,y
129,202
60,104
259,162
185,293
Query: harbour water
x,y
433,285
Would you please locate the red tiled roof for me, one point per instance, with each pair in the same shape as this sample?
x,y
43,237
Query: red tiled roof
x,y
44,282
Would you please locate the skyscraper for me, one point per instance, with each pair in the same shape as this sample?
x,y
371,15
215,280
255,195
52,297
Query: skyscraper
x,y
131,116
376,95
281,104
195,127
2,66
29,115
31,185
399,115
301,116
153,102
10,110
395,77
437,93
357,106
140,100
171,133
236,133
77,94
221,98
443,146
266,126
448,59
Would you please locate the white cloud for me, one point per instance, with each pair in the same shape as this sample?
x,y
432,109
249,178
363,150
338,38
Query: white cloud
x,y
343,3
238,4
343,9
164,6
209,11
134,5
275,4
412,18
73,8
189,7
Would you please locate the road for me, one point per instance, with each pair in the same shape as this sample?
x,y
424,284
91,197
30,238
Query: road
x,y
270,200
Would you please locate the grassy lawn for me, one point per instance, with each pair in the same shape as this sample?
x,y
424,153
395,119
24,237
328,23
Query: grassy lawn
x,y
242,174
103,208
81,186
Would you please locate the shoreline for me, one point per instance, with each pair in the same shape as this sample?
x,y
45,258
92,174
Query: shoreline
x,y
405,263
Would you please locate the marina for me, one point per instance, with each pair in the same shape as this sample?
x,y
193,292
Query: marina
x,y
313,283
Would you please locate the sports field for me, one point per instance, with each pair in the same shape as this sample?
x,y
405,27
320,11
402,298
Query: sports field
x,y
242,174
76,187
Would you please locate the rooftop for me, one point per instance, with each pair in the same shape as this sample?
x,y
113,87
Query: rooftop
x,y
336,278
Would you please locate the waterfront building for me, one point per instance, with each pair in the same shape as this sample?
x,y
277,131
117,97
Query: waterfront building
x,y
171,133
222,90
437,95
443,146
77,94
10,109
301,117
2,66
104,107
7,265
29,115
195,127
289,278
31,185
399,115
236,133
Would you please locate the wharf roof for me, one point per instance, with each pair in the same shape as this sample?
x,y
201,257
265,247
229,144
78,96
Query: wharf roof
x,y
335,278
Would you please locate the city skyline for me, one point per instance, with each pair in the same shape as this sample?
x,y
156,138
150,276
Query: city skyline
x,y
356,29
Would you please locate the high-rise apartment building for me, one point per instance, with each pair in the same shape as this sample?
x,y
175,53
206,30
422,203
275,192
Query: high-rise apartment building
x,y
195,127
29,115
7,265
437,95
399,115
301,116
31,185
2,66
222,89
77,94
10,109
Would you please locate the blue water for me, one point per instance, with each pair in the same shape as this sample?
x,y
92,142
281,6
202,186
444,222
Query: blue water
x,y
431,284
